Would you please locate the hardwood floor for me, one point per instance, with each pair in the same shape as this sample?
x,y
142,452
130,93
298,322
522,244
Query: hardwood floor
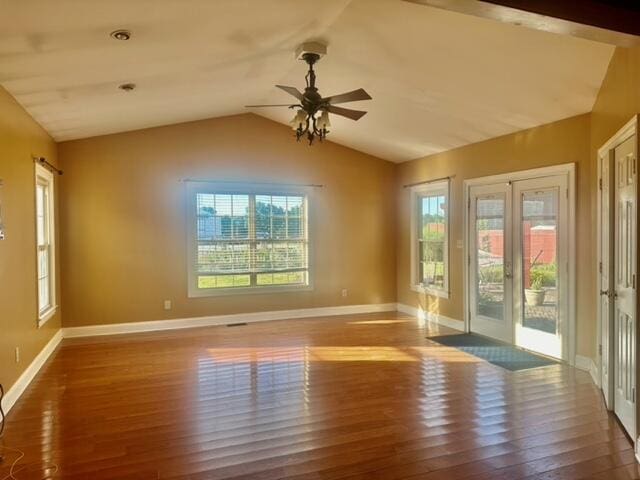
x,y
357,397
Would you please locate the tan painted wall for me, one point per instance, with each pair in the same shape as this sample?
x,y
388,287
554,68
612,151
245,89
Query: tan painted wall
x,y
20,137
123,218
618,99
565,141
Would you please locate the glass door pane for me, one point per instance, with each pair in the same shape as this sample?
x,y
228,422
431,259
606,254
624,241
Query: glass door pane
x,y
490,256
490,265
539,260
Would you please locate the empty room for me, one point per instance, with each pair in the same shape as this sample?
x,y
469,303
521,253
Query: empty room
x,y
328,240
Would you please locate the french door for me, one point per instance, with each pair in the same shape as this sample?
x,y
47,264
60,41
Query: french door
x,y
518,263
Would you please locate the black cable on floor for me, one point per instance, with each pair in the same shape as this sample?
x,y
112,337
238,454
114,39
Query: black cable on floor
x,y
1,424
1,412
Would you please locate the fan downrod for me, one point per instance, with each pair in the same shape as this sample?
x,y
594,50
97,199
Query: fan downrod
x,y
311,99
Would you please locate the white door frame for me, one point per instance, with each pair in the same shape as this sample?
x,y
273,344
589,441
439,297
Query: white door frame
x,y
563,169
629,129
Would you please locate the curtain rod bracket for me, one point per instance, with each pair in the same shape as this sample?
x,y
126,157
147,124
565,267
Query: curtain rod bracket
x,y
43,161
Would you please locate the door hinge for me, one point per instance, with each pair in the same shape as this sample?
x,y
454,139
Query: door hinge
x,y
633,280
600,267
600,184
469,203
633,394
600,349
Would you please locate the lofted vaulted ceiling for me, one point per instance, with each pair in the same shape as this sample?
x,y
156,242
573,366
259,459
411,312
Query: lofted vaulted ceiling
x,y
438,79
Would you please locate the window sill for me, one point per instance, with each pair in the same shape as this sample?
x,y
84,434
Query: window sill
x,y
430,291
45,316
198,293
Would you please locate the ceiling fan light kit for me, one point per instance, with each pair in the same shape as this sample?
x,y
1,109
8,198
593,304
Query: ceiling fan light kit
x,y
312,116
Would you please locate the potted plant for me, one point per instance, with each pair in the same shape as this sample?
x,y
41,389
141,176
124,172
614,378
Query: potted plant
x,y
534,295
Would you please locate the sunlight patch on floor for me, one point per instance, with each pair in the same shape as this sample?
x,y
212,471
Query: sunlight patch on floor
x,y
379,322
337,354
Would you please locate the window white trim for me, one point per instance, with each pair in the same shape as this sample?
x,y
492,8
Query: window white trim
x,y
193,187
45,178
417,192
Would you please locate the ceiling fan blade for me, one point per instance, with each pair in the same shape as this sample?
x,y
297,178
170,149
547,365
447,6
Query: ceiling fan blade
x,y
354,96
346,112
275,105
291,91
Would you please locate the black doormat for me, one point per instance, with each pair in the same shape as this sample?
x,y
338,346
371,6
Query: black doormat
x,y
501,354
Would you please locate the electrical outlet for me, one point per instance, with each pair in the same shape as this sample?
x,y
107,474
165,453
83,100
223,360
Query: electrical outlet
x,y
167,304
17,354
345,292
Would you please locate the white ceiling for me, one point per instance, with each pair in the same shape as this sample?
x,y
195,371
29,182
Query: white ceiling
x,y
438,79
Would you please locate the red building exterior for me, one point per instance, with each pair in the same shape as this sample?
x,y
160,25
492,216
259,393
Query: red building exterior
x,y
539,244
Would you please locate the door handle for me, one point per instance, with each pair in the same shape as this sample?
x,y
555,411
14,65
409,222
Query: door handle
x,y
507,270
604,292
612,294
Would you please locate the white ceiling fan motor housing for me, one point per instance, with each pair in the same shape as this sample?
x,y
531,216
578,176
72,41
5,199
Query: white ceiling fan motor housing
x,y
311,47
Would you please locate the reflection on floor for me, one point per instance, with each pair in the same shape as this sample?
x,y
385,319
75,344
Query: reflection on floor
x,y
353,397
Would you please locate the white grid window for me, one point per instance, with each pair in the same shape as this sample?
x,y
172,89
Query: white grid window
x,y
430,238
45,255
243,240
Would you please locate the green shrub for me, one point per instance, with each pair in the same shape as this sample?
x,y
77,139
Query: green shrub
x,y
543,275
491,274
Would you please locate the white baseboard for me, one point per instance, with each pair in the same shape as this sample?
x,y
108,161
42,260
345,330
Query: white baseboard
x,y
177,323
431,317
18,388
595,373
583,363
588,365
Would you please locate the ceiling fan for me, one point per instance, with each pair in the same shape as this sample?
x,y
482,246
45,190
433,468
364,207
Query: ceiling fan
x,y
312,117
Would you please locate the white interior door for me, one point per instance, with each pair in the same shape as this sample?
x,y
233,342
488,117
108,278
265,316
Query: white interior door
x,y
541,292
490,257
624,295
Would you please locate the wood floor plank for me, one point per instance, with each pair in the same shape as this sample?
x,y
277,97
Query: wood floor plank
x,y
354,397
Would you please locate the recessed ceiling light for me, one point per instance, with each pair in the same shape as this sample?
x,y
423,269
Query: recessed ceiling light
x,y
121,34
127,87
